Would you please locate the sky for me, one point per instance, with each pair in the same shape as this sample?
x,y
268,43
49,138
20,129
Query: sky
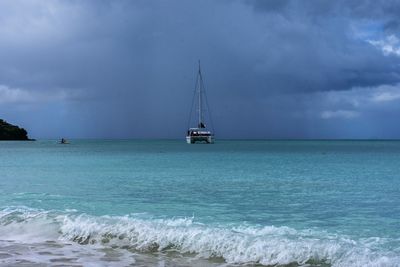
x,y
272,69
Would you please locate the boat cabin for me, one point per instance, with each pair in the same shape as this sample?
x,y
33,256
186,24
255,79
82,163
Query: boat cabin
x,y
198,132
199,135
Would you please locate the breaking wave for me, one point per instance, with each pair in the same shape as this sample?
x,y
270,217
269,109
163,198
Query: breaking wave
x,y
240,244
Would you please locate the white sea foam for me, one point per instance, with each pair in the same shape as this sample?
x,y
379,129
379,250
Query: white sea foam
x,y
267,245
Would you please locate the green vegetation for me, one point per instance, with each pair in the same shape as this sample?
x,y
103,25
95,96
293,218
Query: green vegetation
x,y
12,132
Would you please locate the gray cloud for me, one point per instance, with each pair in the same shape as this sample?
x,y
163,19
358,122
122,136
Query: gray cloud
x,y
127,68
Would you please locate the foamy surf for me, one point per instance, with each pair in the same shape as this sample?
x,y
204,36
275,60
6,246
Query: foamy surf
x,y
49,237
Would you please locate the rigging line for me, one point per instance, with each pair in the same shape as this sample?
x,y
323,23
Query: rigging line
x,y
207,105
200,102
193,99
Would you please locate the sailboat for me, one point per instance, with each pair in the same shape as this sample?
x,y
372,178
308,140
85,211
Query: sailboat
x,y
200,133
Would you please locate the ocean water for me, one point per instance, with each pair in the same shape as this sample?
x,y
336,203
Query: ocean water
x,y
166,203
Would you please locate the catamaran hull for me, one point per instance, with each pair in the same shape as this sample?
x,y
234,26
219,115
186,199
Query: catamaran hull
x,y
200,139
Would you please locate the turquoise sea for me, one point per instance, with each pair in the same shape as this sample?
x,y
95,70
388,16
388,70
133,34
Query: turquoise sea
x,y
167,203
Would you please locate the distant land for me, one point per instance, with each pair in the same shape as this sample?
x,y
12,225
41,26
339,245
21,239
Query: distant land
x,y
12,132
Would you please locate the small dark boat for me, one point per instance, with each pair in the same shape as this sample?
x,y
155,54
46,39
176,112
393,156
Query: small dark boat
x,y
64,141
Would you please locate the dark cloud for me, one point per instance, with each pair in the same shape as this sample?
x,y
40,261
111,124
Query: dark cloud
x,y
269,6
123,69
392,26
359,9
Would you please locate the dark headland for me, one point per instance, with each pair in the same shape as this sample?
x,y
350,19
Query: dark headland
x,y
12,132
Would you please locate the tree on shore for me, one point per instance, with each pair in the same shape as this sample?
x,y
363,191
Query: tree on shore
x,y
12,132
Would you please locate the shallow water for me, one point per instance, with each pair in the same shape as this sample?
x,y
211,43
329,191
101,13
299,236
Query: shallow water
x,y
166,203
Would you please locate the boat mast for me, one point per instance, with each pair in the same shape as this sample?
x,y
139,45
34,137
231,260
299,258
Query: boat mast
x,y
200,85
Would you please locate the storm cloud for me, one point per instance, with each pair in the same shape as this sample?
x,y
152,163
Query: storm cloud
x,y
272,69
